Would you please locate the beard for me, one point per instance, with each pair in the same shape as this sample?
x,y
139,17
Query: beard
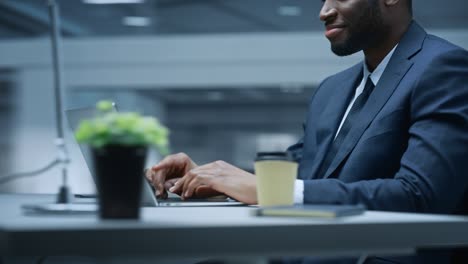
x,y
367,30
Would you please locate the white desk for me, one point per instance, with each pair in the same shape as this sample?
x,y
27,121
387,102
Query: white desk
x,y
165,233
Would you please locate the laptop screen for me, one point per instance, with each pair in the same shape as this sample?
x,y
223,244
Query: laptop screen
x,y
74,117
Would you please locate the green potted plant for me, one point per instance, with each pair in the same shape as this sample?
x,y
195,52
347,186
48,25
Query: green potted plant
x,y
119,144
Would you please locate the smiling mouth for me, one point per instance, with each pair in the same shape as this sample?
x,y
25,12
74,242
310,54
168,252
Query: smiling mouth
x,y
333,32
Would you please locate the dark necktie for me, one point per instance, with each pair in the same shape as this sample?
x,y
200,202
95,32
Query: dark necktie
x,y
353,114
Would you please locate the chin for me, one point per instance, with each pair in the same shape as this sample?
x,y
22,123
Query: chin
x,y
343,49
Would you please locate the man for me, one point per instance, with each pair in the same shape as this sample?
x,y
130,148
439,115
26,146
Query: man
x,y
390,132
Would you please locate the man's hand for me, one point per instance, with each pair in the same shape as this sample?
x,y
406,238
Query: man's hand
x,y
164,174
221,177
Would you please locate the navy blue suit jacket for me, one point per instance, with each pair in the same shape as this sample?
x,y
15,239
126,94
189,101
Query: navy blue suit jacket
x,y
409,149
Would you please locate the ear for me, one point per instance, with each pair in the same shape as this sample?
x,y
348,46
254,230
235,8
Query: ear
x,y
391,2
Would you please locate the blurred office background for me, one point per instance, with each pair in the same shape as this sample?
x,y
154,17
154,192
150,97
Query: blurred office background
x,y
228,77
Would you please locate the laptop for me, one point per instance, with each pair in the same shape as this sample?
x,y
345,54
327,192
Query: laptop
x,y
149,199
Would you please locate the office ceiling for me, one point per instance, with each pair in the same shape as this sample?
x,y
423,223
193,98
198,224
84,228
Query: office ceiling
x,y
29,18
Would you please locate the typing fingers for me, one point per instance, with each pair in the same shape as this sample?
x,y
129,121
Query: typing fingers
x,y
191,186
177,186
198,177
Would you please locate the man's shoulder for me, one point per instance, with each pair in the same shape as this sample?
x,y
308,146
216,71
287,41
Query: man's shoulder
x,y
436,45
437,51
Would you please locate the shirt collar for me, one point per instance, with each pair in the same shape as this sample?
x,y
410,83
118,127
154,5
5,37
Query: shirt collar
x,y
379,70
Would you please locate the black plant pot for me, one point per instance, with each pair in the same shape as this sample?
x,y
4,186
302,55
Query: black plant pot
x,y
119,171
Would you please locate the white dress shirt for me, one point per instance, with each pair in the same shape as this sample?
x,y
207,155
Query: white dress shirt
x,y
375,77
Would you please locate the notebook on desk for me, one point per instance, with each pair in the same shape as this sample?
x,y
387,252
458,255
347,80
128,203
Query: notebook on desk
x,y
312,210
149,198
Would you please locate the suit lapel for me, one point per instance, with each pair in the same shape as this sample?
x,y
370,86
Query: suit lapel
x,y
330,118
339,100
396,69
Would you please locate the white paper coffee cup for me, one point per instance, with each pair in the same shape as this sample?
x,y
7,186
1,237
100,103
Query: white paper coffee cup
x,y
276,173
